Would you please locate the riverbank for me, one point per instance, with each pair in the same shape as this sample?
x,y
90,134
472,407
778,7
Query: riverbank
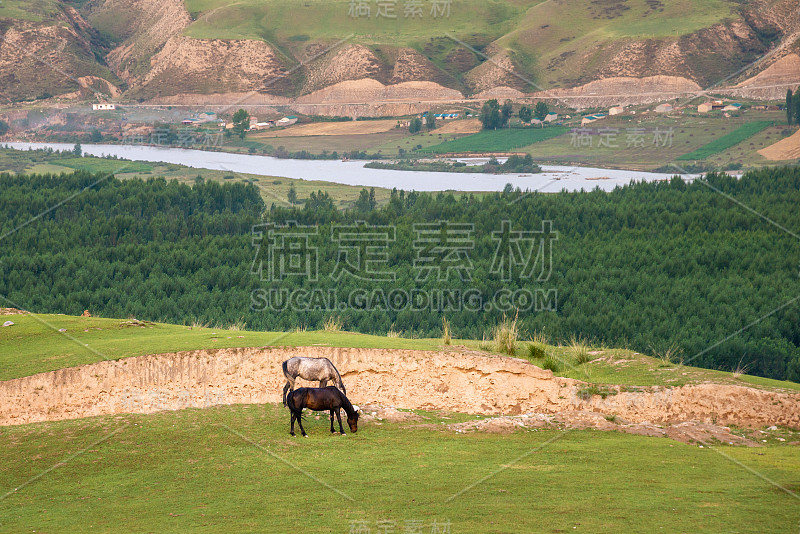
x,y
551,179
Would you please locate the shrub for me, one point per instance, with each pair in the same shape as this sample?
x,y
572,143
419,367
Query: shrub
x,y
590,390
536,351
551,364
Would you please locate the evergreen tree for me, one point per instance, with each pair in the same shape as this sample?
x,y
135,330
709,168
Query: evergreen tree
x,y
796,106
506,112
77,150
430,121
490,115
541,110
291,196
362,204
525,114
789,107
241,122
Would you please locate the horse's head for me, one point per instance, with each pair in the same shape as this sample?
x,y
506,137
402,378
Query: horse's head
x,y
352,420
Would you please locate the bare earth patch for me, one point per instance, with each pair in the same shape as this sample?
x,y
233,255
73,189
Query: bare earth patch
x,y
332,128
785,149
686,432
461,126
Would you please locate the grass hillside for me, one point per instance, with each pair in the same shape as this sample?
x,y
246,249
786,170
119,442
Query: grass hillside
x,y
36,344
235,469
547,41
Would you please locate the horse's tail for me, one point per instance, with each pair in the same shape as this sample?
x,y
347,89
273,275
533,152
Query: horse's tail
x,y
290,402
339,378
286,369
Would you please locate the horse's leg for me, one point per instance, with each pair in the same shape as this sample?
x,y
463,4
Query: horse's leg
x,y
291,430
339,418
323,382
300,423
332,430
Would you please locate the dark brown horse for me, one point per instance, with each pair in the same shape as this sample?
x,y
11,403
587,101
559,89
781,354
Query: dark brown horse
x,y
320,400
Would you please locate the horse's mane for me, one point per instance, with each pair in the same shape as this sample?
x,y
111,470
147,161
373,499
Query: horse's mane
x,y
347,405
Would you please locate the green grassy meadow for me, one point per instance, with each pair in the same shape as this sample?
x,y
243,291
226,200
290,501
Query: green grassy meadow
x,y
331,19
236,469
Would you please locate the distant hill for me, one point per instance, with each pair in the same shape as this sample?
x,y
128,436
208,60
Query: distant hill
x,y
147,49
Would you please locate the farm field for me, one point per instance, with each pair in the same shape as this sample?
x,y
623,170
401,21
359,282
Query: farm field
x,y
630,142
330,128
727,141
788,148
316,144
497,141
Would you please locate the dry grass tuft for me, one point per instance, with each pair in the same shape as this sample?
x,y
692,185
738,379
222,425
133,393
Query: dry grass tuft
x,y
334,323
446,333
505,335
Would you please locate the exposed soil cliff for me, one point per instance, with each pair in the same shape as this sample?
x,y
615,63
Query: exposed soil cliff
x,y
455,381
623,90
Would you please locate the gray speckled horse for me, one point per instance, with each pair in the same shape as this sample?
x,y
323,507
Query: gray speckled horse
x,y
310,369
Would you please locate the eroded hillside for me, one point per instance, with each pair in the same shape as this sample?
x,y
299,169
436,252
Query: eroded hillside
x,y
163,48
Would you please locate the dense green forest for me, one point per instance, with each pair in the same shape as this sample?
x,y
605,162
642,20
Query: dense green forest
x,y
647,266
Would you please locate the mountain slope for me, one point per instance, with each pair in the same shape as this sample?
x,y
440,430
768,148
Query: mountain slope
x,y
162,48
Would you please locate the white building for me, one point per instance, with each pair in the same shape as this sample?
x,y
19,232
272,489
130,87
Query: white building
x,y
286,121
616,110
101,107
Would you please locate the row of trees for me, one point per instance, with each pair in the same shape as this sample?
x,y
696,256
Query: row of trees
x,y
415,125
648,266
494,116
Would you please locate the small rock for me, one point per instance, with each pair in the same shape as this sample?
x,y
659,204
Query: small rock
x,y
8,323
62,329
773,427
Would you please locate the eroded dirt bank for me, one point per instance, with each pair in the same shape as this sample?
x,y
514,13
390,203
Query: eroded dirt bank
x,y
460,381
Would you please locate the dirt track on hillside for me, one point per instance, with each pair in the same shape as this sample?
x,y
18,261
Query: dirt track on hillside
x,y
458,381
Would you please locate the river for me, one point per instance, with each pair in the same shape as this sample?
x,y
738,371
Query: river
x,y
553,179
